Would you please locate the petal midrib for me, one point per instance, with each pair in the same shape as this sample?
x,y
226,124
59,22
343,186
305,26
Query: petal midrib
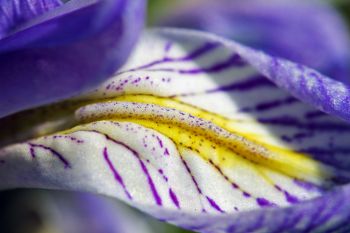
x,y
220,136
206,133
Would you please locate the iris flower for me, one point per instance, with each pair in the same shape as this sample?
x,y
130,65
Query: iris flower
x,y
194,129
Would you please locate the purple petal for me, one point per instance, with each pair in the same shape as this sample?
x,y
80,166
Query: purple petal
x,y
306,32
15,13
65,51
329,213
306,84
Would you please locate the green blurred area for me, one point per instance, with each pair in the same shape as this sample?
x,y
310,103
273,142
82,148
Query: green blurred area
x,y
154,7
172,229
343,6
160,8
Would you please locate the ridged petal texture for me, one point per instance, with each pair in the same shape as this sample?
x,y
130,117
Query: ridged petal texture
x,y
50,51
193,133
15,13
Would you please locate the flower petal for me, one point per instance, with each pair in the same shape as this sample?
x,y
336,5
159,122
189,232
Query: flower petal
x,y
66,51
14,13
307,32
322,92
192,134
233,84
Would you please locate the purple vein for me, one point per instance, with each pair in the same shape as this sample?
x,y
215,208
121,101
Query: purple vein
x,y
115,173
260,201
167,47
193,180
314,114
152,186
264,202
272,104
233,61
174,198
197,53
248,84
288,121
192,177
297,136
214,205
52,151
160,142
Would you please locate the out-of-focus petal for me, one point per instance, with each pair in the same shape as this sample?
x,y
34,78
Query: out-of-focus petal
x,y
66,51
307,32
34,211
191,132
15,13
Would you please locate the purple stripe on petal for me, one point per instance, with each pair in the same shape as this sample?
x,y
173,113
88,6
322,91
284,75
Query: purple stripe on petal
x,y
249,84
263,202
151,184
231,62
160,142
247,195
195,54
174,198
166,152
214,205
265,106
32,152
115,173
52,151
318,126
289,197
202,50
314,114
192,177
